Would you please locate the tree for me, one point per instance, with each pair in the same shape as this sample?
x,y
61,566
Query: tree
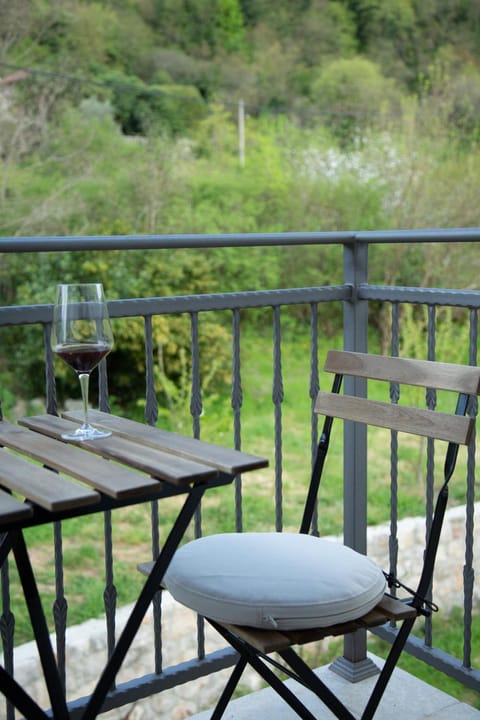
x,y
353,93
230,34
140,109
327,29
451,93
189,25
16,24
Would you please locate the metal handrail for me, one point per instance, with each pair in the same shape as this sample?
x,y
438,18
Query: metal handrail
x,y
171,241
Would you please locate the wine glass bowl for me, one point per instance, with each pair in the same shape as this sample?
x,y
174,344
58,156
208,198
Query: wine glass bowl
x,y
82,336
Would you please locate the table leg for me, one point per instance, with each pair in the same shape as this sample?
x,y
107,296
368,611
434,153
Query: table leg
x,y
40,629
6,542
150,587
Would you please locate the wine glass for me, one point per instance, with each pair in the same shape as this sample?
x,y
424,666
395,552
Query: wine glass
x,y
82,336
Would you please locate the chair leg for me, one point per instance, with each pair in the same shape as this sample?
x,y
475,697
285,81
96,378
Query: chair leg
x,y
249,655
388,668
229,689
315,685
280,687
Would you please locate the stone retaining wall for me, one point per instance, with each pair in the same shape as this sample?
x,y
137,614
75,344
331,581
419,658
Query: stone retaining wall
x,y
86,643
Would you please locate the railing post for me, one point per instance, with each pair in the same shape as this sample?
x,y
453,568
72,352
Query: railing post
x,y
354,664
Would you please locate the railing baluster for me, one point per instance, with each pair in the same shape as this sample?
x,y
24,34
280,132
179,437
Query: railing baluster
x,y
196,408
468,570
151,416
237,401
103,399
50,387
60,606
314,388
110,591
277,398
196,405
157,598
394,397
151,403
431,403
7,630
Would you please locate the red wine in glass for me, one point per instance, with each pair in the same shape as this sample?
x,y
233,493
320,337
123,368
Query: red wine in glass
x,y
82,336
82,358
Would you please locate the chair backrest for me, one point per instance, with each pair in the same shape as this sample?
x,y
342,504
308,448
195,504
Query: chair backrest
x,y
456,428
462,379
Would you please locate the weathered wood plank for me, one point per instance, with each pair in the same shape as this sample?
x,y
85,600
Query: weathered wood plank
x,y
157,463
424,373
268,641
224,459
112,479
11,510
417,421
395,609
44,487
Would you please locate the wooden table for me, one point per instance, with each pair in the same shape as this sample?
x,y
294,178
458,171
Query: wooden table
x,y
136,464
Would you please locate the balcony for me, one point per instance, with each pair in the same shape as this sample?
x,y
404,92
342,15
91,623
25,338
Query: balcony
x,y
354,296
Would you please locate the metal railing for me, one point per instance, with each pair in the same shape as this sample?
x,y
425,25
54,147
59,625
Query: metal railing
x,y
355,294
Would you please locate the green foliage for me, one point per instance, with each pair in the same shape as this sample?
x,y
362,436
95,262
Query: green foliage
x,y
451,333
403,37
387,32
353,94
89,178
230,27
451,92
140,151
140,109
7,398
188,24
91,40
328,30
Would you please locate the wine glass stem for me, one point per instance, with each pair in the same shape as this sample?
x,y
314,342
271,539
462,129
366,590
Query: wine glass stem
x,y
84,381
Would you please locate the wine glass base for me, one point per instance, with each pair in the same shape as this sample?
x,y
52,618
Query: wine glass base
x,y
86,432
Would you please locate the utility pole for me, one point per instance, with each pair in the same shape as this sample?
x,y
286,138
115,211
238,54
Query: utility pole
x,y
241,133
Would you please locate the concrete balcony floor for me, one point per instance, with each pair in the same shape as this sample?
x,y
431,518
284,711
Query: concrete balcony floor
x,y
405,695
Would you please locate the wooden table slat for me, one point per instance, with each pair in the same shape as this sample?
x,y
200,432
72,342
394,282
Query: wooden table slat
x,y
227,460
44,487
156,462
112,479
12,510
160,464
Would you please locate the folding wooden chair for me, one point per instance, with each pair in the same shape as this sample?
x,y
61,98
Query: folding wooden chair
x,y
266,592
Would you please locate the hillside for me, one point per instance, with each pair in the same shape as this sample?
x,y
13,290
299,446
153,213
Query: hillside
x,y
158,62
122,117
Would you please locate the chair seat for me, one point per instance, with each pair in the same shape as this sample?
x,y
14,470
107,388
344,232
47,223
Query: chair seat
x,y
285,581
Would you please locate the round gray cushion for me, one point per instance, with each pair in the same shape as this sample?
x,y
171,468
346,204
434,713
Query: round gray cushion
x,y
274,580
